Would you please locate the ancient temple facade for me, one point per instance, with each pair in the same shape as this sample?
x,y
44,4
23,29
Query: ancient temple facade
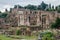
x,y
35,19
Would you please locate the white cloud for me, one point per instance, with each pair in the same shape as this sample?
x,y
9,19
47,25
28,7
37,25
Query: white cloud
x,y
6,7
8,3
53,2
37,2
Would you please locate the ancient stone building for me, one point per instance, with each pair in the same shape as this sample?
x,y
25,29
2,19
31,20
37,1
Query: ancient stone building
x,y
33,19
28,20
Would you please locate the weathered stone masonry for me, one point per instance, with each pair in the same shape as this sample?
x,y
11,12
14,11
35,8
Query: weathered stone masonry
x,y
35,19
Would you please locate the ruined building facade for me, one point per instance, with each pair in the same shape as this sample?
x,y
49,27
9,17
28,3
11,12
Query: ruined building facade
x,y
34,19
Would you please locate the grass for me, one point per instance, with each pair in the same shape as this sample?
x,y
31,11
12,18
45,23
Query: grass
x,y
3,37
24,37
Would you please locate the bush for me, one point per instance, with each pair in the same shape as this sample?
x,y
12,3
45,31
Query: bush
x,y
3,15
56,25
47,36
18,32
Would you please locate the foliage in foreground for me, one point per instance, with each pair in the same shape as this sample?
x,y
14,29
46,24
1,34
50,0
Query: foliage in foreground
x,y
47,36
3,37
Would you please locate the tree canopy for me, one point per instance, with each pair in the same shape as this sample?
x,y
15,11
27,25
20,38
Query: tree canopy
x,y
42,6
31,7
15,6
3,15
56,24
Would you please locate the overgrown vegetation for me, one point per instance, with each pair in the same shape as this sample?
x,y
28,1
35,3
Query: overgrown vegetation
x,y
3,15
43,6
56,25
47,36
18,32
3,37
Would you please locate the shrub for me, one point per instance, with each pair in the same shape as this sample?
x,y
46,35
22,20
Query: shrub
x,y
18,32
47,36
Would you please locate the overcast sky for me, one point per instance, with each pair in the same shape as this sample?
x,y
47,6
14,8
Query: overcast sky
x,y
9,3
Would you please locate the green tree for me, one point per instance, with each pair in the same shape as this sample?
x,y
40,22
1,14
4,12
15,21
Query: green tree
x,y
49,6
31,7
18,32
6,10
3,15
10,10
53,8
56,25
39,7
0,12
17,6
56,8
47,35
42,6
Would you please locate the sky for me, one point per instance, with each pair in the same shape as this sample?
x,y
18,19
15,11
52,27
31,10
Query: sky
x,y
6,4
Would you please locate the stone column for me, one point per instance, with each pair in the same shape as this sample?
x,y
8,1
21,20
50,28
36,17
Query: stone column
x,y
27,17
38,19
18,20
